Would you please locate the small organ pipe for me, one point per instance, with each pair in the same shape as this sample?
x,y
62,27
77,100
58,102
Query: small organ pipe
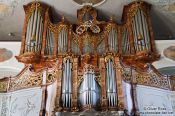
x,y
30,30
40,34
37,32
111,86
124,46
51,42
48,42
144,30
135,34
63,38
34,23
141,30
147,33
27,35
137,31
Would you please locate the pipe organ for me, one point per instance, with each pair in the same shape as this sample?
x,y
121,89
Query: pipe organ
x,y
112,38
90,54
33,28
49,49
67,84
126,48
63,40
89,89
111,84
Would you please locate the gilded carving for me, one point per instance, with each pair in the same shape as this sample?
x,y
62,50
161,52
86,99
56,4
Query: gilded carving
x,y
3,86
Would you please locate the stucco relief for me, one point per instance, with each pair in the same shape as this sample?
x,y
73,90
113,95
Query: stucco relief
x,y
4,104
7,7
5,54
21,103
26,103
153,100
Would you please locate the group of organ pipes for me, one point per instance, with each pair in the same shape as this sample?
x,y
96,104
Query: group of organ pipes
x,y
90,54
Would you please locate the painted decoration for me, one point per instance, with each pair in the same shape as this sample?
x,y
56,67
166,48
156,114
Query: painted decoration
x,y
5,54
170,52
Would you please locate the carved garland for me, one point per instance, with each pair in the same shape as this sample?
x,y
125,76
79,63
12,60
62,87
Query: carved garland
x,y
147,79
28,80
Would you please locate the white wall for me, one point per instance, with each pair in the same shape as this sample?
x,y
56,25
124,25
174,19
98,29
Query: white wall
x,y
11,65
164,62
154,100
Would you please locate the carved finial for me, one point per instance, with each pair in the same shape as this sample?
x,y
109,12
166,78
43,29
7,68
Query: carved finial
x,y
111,18
63,18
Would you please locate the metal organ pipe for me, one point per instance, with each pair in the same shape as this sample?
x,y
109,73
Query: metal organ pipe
x,y
40,33
136,31
30,32
124,41
127,42
50,43
63,40
144,30
135,34
67,85
147,33
112,40
111,84
37,32
34,32
62,49
140,28
89,90
27,37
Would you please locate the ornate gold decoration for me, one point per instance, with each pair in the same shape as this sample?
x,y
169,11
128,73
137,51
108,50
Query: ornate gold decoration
x,y
35,5
135,7
4,86
26,80
109,56
146,78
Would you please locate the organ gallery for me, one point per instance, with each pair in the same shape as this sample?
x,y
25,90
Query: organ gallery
x,y
88,61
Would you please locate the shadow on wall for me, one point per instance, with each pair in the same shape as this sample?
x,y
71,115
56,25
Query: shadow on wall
x,y
167,70
162,25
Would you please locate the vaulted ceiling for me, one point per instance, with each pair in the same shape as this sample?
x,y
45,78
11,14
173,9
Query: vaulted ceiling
x,y
12,15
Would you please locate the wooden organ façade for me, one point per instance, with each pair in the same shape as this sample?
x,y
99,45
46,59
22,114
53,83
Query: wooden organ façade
x,y
92,57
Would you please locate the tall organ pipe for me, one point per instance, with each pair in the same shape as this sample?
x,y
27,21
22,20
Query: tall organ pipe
x,y
37,32
30,31
89,90
111,84
27,36
67,85
34,32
